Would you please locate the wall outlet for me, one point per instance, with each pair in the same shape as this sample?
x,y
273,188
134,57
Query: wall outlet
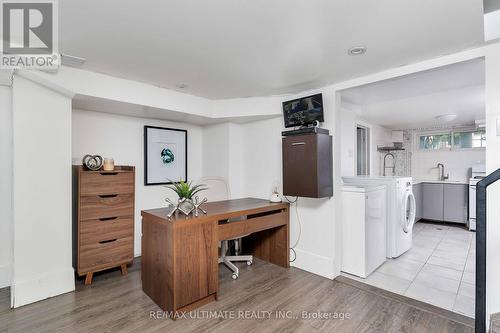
x,y
498,126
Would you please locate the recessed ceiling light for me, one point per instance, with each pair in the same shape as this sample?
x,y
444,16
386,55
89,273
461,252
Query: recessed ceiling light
x,y
445,118
181,85
357,50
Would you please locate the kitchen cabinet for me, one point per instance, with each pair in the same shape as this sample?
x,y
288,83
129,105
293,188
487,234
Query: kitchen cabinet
x,y
432,201
456,198
442,202
417,193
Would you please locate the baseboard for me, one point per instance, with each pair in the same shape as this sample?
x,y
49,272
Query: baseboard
x,y
5,274
44,286
314,263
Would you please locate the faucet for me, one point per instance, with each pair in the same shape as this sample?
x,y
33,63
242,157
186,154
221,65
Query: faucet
x,y
442,177
393,167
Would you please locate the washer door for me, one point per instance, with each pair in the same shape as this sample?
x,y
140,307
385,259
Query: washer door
x,y
408,211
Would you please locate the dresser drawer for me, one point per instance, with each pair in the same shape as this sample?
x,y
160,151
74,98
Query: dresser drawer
x,y
106,182
106,253
94,231
102,206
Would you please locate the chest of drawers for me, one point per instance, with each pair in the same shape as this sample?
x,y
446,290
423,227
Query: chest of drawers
x,y
104,219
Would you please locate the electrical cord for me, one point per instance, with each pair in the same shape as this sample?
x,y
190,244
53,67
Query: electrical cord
x,y
292,248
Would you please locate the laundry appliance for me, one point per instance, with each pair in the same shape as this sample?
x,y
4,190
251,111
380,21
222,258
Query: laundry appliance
x,y
400,210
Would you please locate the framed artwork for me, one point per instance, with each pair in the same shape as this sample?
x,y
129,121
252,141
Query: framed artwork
x,y
165,155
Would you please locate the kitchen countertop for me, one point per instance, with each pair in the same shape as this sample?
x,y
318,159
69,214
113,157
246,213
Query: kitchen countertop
x,y
459,182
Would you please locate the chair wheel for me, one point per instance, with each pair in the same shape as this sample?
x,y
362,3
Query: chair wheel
x,y
249,262
234,276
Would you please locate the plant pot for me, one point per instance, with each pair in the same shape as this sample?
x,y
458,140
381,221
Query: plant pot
x,y
186,206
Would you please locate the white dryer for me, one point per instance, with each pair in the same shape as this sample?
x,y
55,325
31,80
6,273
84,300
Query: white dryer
x,y
400,210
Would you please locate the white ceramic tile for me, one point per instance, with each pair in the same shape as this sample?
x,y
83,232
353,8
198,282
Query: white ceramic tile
x,y
469,277
467,289
417,253
401,268
438,282
438,269
470,265
424,293
426,241
464,305
388,282
457,255
443,272
449,262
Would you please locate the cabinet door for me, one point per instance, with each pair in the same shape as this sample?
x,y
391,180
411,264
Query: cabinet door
x,y
432,201
417,193
195,260
455,202
300,172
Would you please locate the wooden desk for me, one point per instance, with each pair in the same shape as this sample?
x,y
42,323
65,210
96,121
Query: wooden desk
x,y
179,262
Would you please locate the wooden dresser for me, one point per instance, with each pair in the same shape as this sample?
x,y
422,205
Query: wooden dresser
x,y
103,219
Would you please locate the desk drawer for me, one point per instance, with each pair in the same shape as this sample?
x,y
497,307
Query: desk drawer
x,y
94,231
102,206
106,182
106,253
252,224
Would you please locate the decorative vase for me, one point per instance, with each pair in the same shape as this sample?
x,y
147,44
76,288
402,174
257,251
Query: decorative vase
x,y
186,205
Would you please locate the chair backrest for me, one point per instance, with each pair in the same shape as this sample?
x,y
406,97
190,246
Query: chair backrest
x,y
218,188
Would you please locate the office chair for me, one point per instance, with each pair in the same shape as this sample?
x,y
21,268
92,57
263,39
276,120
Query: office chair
x,y
218,190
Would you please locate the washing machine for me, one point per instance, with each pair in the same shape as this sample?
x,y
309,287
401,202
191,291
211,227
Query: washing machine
x,y
400,210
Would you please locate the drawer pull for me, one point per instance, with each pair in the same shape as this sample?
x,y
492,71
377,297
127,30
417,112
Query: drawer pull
x,y
108,196
108,173
108,241
108,218
298,144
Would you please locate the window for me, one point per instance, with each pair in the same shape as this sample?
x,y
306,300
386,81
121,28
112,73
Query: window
x,y
435,141
470,139
464,139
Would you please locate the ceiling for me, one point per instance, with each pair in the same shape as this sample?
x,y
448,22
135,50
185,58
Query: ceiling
x,y
84,102
239,48
413,101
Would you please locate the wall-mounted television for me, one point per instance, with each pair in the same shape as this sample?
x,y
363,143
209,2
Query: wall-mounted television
x,y
303,111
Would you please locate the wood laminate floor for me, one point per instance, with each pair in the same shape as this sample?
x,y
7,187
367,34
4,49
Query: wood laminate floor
x,y
117,304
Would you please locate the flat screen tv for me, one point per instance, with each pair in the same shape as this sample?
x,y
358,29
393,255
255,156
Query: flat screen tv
x,y
303,111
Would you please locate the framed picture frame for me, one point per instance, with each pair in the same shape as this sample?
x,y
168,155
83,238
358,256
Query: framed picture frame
x,y
165,155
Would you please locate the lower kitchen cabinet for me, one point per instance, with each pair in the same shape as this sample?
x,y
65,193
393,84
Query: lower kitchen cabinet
x,y
442,202
432,201
456,202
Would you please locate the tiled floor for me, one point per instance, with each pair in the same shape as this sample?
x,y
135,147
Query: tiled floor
x,y
438,269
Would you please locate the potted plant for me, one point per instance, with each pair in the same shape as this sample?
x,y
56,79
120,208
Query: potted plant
x,y
186,191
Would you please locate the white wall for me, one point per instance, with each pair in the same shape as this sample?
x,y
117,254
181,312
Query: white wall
x,y
493,163
379,136
122,138
223,155
457,163
42,265
6,186
262,167
492,25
